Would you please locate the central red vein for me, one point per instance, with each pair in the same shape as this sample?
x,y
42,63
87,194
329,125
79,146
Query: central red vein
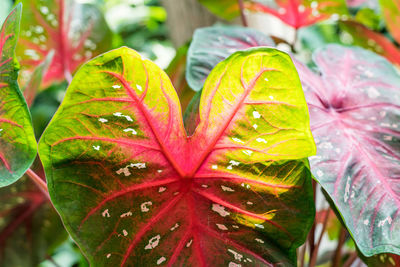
x,y
148,118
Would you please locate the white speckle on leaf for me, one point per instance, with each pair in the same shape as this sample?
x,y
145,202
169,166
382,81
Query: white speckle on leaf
x,y
372,92
261,140
116,87
227,189
126,214
189,243
96,148
128,118
314,4
221,227
161,189
234,163
237,140
259,226
161,260
153,242
236,255
259,240
235,226
130,130
249,203
124,232
347,189
117,114
144,207
159,171
214,167
173,228
301,8
266,79
220,210
382,222
102,120
255,126
366,222
105,213
108,255
139,87
204,186
44,10
256,115
320,173
247,152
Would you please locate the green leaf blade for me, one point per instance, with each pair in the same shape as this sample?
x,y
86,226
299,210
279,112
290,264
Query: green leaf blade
x,y
17,140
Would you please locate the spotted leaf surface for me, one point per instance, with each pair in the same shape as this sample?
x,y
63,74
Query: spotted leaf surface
x,y
134,190
76,32
213,44
300,13
17,141
29,223
391,14
366,38
296,13
354,111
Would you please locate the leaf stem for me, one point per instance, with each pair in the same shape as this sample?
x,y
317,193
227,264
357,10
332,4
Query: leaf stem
x,y
242,16
353,256
40,183
314,255
338,252
311,236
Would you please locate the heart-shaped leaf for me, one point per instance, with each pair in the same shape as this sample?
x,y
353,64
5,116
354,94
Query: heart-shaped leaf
x,y
391,14
76,32
28,223
213,44
17,141
366,38
354,110
134,190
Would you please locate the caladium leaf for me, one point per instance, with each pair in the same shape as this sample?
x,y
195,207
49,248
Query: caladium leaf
x,y
76,32
354,110
17,141
383,260
134,190
300,13
366,38
28,223
391,14
296,13
211,45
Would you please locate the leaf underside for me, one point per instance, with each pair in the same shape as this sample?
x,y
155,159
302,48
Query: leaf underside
x,y
354,109
76,32
134,190
17,141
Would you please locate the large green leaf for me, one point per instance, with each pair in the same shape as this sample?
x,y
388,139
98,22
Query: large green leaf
x,y
17,141
134,190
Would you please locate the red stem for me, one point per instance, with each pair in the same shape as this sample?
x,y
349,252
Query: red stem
x,y
338,253
242,16
41,184
311,236
314,255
